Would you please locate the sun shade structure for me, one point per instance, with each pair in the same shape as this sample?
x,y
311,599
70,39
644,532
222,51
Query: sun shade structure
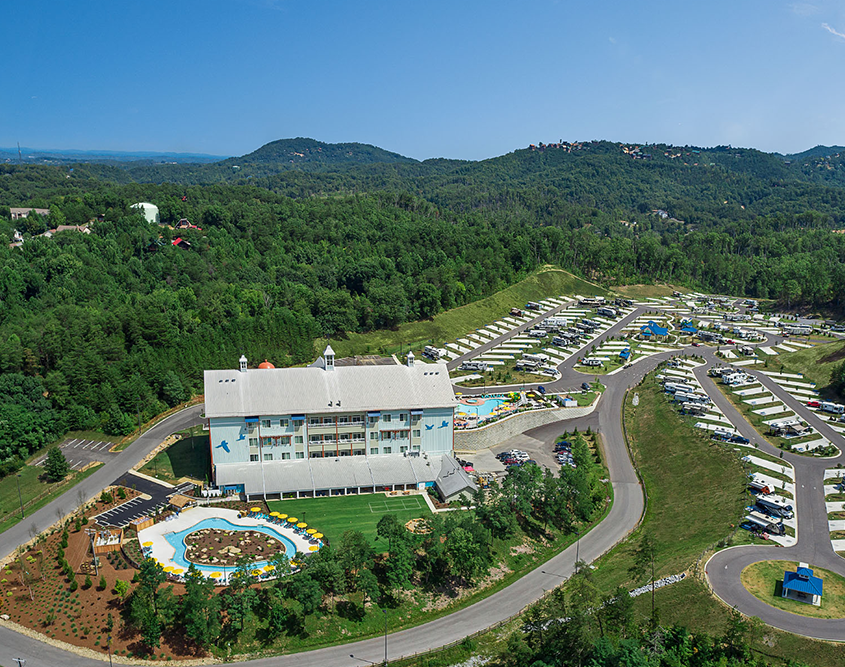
x,y
302,524
292,519
802,585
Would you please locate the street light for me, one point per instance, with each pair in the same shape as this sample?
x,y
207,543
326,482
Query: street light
x,y
384,611
110,663
21,661
355,657
20,498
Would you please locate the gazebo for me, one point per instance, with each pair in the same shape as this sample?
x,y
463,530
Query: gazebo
x,y
802,586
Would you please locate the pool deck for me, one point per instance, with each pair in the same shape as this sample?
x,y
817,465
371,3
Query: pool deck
x,y
163,552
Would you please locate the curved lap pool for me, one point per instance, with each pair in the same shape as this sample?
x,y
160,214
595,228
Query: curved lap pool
x,y
177,541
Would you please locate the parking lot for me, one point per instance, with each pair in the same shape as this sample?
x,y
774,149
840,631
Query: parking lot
x,y
80,453
155,494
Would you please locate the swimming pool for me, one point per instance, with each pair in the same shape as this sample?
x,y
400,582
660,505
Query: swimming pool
x,y
483,410
177,541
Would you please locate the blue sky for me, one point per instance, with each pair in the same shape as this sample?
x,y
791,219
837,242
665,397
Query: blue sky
x,y
459,78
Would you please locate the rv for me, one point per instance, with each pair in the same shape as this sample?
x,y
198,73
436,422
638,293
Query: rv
x,y
516,312
776,506
525,365
539,358
473,366
760,487
835,408
562,341
592,362
798,330
555,322
538,333
533,305
770,525
591,323
434,353
593,301
607,312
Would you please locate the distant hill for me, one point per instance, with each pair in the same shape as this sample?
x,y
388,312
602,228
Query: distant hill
x,y
303,153
818,151
71,155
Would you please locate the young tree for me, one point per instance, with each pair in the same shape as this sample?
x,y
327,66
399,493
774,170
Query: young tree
x,y
465,554
200,608
388,528
56,465
399,567
354,551
367,583
305,590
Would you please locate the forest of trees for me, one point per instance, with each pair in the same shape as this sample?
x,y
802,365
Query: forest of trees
x,y
96,328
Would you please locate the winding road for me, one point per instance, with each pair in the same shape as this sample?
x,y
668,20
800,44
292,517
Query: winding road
x,y
623,517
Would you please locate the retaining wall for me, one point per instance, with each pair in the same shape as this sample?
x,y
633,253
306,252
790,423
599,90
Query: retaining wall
x,y
488,436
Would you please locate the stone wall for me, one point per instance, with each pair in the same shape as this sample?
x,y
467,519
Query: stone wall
x,y
488,436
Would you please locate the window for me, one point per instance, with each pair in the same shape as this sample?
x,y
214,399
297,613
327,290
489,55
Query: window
x,y
265,423
416,433
253,442
285,456
402,417
314,439
356,419
343,421
416,448
386,418
373,450
299,455
415,419
403,448
314,421
284,423
276,441
386,450
373,436
268,456
253,457
297,439
345,437
373,420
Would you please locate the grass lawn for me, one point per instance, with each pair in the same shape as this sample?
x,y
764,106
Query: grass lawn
x,y
816,363
674,461
333,516
34,492
764,580
457,322
646,291
187,457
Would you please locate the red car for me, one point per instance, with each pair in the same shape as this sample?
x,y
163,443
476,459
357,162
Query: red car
x,y
813,404
696,344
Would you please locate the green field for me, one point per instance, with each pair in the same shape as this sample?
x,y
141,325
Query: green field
x,y
333,516
188,457
816,363
34,492
458,322
673,459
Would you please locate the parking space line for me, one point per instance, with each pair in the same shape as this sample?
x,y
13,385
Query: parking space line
x,y
78,443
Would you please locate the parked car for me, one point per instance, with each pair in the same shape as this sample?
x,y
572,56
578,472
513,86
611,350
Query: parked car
x,y
585,386
813,404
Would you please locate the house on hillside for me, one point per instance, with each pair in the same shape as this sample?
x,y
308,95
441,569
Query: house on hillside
x,y
653,331
22,213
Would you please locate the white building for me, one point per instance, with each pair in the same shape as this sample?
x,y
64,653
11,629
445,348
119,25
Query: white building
x,y
150,211
327,429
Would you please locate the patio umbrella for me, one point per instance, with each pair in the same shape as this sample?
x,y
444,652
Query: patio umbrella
x,y
255,509
169,568
314,548
147,544
267,568
311,531
216,574
283,516
317,535
274,514
302,524
178,570
256,573
292,519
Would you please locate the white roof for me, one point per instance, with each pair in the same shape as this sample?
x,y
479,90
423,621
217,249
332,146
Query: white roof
x,y
281,391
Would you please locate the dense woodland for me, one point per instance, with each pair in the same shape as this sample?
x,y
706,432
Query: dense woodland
x,y
97,328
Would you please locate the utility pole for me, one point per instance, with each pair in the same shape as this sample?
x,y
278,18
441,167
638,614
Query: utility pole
x,y
20,497
385,636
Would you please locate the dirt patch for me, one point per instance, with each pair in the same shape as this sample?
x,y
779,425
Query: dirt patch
x,y
226,547
525,548
836,355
